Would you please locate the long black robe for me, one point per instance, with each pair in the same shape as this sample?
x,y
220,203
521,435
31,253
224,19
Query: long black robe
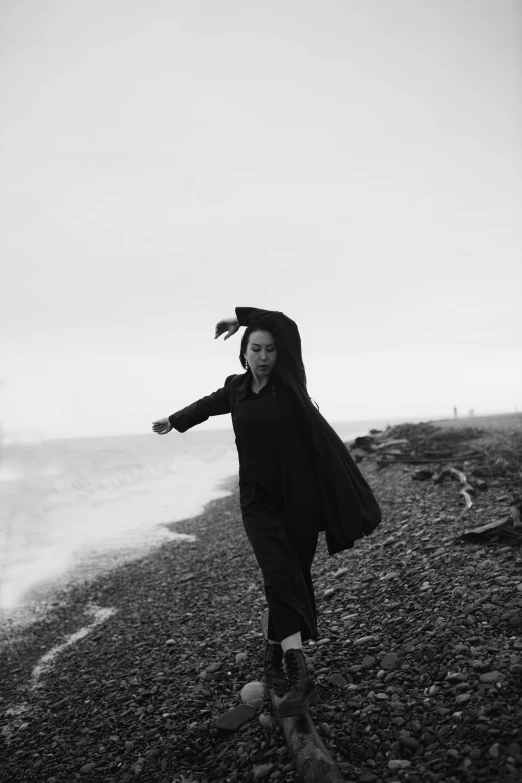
x,y
349,509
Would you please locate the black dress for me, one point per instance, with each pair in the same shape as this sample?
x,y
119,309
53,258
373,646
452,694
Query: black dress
x,y
280,504
296,475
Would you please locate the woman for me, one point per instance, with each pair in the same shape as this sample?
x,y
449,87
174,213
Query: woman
x,y
296,478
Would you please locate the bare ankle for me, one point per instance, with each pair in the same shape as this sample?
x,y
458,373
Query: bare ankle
x,y
292,642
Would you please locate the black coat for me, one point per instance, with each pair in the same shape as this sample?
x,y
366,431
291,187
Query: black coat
x,y
349,508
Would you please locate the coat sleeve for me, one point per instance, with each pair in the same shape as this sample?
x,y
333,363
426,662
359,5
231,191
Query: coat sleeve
x,y
286,335
214,404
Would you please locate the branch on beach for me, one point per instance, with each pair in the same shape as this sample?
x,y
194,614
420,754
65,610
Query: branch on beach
x,y
441,453
417,445
466,488
502,531
313,761
516,510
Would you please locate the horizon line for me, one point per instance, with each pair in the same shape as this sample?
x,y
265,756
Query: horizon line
x,y
25,438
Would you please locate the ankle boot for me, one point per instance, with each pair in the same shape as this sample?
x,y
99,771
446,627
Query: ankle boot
x,y
275,676
301,691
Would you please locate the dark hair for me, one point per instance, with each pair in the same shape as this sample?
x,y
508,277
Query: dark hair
x,y
244,341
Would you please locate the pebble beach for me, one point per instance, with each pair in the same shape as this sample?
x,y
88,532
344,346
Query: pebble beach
x,y
418,664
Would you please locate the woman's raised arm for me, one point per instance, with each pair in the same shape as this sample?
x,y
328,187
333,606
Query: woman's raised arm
x,y
229,325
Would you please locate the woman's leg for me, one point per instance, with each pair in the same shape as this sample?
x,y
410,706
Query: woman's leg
x,y
291,610
302,523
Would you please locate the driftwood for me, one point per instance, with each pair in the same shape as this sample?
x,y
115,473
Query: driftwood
x,y
466,488
392,442
313,761
422,460
503,530
516,511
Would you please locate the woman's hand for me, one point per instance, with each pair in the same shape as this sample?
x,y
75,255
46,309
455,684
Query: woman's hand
x,y
229,325
162,426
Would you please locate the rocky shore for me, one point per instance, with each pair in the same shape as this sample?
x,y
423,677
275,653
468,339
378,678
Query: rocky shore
x,y
418,665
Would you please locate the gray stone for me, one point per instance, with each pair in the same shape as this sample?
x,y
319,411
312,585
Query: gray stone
x,y
234,718
368,662
261,771
491,677
266,721
338,679
456,677
340,572
253,691
409,742
398,763
365,640
214,667
389,661
330,592
87,768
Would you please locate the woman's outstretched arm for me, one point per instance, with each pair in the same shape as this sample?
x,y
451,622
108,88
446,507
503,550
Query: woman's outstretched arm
x,y
286,335
213,404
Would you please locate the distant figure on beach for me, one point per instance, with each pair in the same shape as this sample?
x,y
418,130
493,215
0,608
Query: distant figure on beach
x,y
455,412
296,478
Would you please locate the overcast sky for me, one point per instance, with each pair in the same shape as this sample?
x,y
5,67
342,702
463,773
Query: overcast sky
x,y
354,164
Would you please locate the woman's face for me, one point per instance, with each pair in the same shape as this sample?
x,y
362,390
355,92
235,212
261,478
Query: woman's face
x,y
261,353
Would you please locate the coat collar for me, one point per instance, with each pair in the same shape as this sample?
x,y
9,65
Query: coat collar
x,y
242,388
244,384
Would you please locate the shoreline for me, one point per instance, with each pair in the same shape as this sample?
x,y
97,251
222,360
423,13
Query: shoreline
x,y
129,691
41,597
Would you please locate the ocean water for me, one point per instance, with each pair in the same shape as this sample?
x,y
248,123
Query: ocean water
x,y
70,509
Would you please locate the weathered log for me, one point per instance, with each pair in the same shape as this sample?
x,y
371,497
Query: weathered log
x,y
503,530
450,472
466,497
488,472
392,442
422,460
313,761
458,474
